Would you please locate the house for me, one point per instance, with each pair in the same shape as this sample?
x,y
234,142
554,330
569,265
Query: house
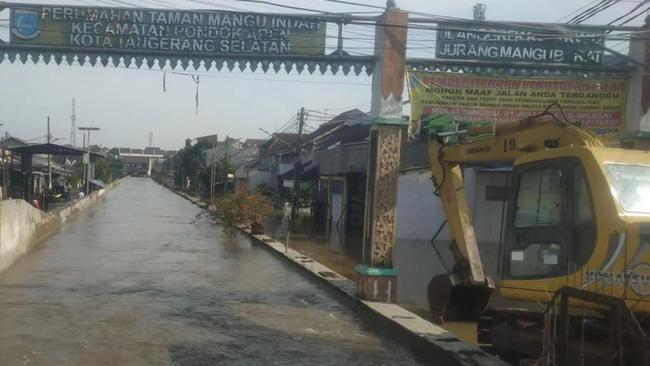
x,y
237,152
208,141
42,166
276,156
27,176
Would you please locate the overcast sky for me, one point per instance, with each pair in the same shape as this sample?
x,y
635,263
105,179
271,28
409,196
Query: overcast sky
x,y
128,104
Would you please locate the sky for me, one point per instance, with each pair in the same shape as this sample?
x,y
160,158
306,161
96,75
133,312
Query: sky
x,y
129,104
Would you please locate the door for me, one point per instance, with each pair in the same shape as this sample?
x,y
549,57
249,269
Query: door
x,y
539,226
337,223
337,212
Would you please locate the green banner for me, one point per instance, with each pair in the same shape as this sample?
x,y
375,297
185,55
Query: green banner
x,y
195,33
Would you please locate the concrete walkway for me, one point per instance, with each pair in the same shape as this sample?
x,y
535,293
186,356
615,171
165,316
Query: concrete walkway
x,y
145,279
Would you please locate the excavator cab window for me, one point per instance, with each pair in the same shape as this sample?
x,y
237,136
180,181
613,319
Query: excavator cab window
x,y
538,242
551,219
583,232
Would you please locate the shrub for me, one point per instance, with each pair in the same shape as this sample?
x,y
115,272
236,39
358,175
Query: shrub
x,y
242,209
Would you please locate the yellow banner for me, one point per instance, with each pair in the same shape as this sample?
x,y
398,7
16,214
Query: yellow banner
x,y
597,104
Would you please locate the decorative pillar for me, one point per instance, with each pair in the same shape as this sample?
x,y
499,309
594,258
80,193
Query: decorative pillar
x,y
638,101
376,277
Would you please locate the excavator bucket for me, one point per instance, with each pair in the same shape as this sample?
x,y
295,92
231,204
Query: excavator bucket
x,y
450,298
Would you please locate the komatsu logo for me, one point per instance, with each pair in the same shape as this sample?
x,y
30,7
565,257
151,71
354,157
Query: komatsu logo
x,y
638,278
479,150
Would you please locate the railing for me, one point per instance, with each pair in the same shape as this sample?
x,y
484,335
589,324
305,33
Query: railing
x,y
626,345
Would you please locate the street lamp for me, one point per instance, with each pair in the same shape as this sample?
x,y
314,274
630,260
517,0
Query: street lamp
x,y
87,163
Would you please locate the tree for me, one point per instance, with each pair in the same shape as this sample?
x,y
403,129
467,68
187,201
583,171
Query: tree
x,y
188,163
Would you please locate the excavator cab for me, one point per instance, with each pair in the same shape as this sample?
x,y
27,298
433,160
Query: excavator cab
x,y
551,223
550,231
575,249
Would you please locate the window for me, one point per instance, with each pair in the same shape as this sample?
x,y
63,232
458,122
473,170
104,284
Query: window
x,y
536,260
539,201
632,186
583,236
583,211
496,193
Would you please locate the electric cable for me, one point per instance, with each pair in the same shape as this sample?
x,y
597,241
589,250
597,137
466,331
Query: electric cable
x,y
641,4
577,10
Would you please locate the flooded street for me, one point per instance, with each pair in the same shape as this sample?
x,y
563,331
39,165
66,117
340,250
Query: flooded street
x,y
144,279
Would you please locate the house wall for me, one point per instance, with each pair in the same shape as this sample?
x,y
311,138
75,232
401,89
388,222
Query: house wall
x,y
420,213
241,185
283,168
258,177
343,161
486,215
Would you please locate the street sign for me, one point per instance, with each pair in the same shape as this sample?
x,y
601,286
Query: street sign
x,y
460,41
197,33
86,158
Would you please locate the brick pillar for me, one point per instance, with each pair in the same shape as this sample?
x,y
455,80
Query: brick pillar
x,y
376,277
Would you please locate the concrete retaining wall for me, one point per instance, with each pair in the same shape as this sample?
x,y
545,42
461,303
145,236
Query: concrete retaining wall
x,y
22,226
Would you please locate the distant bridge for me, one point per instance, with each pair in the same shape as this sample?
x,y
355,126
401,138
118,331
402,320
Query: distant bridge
x,y
140,161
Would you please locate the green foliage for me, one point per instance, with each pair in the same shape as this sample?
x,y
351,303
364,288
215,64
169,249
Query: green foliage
x,y
188,163
109,169
242,208
76,177
266,190
304,195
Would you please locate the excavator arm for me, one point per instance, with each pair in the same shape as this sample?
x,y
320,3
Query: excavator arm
x,y
464,293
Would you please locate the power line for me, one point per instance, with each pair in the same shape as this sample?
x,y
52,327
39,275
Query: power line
x,y
357,4
587,11
593,11
284,6
544,36
412,25
221,5
641,4
578,10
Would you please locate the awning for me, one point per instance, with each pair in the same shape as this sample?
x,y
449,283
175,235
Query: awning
x,y
98,183
308,172
52,149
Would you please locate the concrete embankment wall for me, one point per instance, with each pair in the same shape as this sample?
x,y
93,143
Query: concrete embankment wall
x,y
22,226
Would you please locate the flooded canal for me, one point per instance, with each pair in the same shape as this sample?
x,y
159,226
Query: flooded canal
x,y
415,259
144,279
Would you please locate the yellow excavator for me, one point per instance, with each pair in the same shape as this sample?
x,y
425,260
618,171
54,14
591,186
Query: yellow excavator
x,y
575,254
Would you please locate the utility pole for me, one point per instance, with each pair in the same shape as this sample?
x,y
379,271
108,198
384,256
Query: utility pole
x,y
297,170
479,11
87,156
83,147
5,171
73,124
7,167
49,157
227,160
212,178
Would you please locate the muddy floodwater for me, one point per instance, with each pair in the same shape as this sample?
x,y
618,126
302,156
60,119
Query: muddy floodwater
x,y
144,278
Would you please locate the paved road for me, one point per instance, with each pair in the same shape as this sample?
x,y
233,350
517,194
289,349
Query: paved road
x,y
143,279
